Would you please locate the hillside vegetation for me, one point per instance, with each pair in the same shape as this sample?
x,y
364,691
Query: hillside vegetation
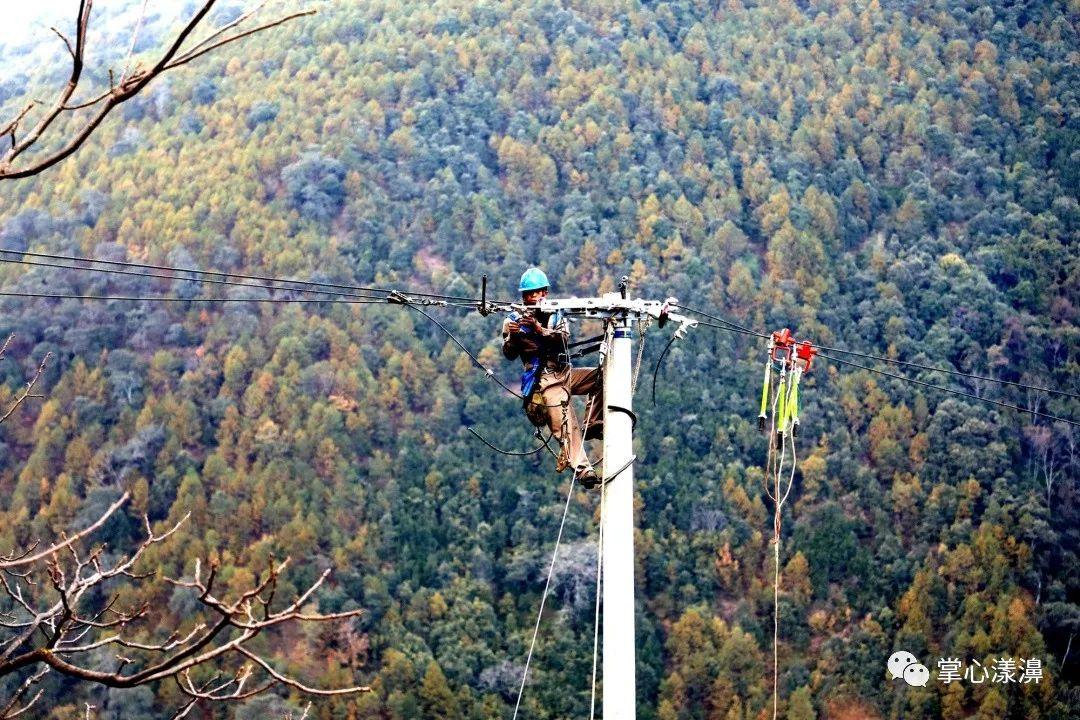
x,y
891,177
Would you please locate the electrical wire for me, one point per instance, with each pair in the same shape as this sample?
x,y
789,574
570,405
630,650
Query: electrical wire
x,y
135,298
336,300
487,371
931,368
746,331
513,453
949,390
734,329
112,271
215,273
656,369
717,318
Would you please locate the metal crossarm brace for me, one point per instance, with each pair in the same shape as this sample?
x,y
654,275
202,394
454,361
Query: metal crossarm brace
x,y
613,303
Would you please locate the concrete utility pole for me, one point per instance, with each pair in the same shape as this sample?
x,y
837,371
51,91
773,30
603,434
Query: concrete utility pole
x,y
620,685
618,528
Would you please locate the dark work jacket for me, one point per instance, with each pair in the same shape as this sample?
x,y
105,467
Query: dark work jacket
x,y
537,351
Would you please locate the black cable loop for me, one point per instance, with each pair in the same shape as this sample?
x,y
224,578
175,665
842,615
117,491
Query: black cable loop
x,y
487,371
513,453
490,373
656,370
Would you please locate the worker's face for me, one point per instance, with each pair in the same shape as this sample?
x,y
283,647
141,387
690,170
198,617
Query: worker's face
x,y
532,297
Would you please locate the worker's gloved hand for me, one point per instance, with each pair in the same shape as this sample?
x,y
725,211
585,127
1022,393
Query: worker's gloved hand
x,y
527,323
530,323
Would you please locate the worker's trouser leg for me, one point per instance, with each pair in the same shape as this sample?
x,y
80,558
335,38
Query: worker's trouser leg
x,y
557,387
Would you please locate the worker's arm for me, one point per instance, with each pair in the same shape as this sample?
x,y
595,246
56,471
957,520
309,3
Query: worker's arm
x,y
510,348
555,338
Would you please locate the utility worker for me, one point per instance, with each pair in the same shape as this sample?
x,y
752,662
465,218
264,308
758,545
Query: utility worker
x,y
542,341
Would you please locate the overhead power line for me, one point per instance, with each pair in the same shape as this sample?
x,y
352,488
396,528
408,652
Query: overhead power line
x,y
135,298
135,273
735,327
729,325
948,390
240,276
361,295
958,373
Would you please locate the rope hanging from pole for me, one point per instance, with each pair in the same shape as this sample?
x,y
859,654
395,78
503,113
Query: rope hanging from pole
x,y
791,359
543,598
596,614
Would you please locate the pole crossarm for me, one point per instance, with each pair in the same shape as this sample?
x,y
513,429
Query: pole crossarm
x,y
663,311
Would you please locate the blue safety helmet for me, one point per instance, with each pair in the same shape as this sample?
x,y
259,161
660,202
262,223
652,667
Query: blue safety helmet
x,y
533,279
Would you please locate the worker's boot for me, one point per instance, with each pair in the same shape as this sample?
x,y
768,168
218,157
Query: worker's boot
x,y
587,478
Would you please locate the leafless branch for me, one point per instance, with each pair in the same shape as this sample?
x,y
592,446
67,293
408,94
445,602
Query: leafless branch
x,y
17,561
121,90
13,125
285,680
62,633
28,391
67,42
191,55
10,710
225,28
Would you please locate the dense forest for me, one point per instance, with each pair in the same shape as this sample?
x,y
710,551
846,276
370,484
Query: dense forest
x,y
891,177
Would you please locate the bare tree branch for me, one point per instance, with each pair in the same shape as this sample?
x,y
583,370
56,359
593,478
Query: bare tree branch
x,y
13,562
74,622
9,710
121,90
285,680
191,55
13,125
81,24
28,391
225,28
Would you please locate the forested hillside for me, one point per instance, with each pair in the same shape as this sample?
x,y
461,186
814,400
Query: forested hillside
x,y
891,177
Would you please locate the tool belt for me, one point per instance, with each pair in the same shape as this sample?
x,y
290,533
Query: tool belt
x,y
534,404
536,408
